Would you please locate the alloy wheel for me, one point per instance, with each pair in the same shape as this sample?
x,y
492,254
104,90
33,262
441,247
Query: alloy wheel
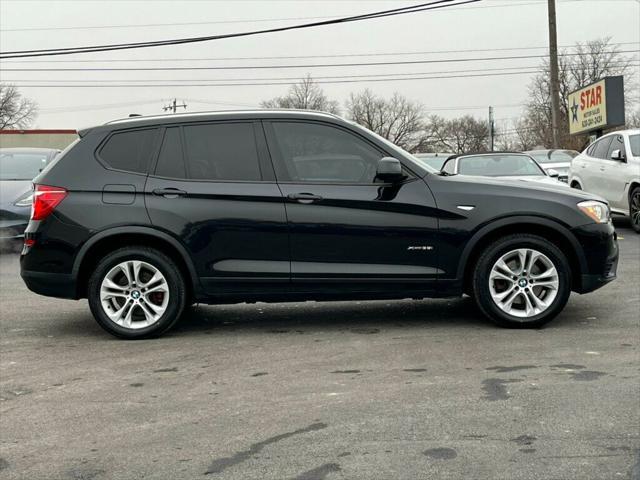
x,y
523,283
134,294
634,209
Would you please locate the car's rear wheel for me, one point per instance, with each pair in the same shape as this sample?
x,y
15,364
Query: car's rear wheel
x,y
634,209
522,281
136,292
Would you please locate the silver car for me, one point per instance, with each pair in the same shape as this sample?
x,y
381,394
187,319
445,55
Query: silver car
x,y
610,167
558,160
505,165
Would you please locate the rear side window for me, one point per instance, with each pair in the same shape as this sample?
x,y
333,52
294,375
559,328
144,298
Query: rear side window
x,y
171,158
222,151
129,151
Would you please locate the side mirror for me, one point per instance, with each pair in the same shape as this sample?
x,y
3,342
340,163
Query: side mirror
x,y
553,173
618,155
389,170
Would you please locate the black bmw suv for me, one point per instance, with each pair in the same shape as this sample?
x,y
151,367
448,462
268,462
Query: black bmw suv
x,y
145,216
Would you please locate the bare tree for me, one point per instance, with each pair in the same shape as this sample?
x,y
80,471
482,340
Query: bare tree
x,y
593,60
397,119
16,111
306,95
633,119
459,135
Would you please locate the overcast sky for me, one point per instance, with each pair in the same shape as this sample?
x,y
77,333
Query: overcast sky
x,y
493,26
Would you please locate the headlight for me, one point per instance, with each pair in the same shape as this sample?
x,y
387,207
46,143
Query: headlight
x,y
596,211
25,200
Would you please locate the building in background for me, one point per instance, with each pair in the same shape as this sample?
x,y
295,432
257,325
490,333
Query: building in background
x,y
59,139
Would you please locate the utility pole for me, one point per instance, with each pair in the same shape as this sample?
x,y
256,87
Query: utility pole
x,y
553,69
173,106
492,129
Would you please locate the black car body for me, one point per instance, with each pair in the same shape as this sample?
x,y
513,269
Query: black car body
x,y
295,206
18,167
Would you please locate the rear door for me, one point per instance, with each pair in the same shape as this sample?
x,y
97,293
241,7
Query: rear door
x,y
591,173
348,231
214,188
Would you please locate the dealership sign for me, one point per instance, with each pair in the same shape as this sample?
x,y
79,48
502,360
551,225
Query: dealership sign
x,y
597,106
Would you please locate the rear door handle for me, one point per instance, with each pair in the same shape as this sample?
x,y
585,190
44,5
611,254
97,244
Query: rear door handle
x,y
602,169
169,192
304,197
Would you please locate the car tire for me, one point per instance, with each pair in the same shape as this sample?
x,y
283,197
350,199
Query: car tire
x,y
576,185
536,296
136,292
634,209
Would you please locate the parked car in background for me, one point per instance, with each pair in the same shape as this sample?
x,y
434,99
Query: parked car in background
x,y
503,165
610,167
147,215
434,160
18,167
556,159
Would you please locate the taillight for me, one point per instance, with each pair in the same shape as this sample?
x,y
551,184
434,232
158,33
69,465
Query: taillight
x,y
45,200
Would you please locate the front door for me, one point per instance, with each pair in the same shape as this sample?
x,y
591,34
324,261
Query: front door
x,y
346,228
214,188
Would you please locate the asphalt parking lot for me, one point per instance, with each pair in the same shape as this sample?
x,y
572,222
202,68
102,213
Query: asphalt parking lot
x,y
362,390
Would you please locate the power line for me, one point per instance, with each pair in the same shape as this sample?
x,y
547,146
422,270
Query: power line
x,y
236,21
305,66
433,5
298,77
294,57
269,83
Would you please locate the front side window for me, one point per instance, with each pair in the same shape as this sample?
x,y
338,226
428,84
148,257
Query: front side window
x,y
617,143
314,152
601,148
222,151
499,166
129,151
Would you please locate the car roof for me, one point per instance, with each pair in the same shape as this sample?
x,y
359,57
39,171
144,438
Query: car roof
x,y
28,150
221,114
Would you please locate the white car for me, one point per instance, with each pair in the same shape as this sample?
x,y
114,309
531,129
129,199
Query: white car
x,y
505,165
610,167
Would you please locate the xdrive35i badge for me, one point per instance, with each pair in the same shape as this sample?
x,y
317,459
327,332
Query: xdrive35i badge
x,y
420,247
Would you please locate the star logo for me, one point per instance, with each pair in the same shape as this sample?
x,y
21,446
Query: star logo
x,y
574,111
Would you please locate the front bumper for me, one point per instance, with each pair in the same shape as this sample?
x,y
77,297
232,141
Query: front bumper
x,y
600,247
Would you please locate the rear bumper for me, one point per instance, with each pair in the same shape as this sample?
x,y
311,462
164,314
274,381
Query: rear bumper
x,y
59,285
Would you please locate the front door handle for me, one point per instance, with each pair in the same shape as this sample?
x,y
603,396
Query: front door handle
x,y
169,192
602,169
304,197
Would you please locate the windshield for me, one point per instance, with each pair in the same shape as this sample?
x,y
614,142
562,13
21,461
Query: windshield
x,y
21,166
433,162
634,140
499,166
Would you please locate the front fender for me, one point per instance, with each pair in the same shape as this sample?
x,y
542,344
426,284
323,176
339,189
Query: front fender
x,y
515,223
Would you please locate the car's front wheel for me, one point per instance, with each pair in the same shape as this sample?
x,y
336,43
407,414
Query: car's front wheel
x,y
634,209
136,292
522,281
